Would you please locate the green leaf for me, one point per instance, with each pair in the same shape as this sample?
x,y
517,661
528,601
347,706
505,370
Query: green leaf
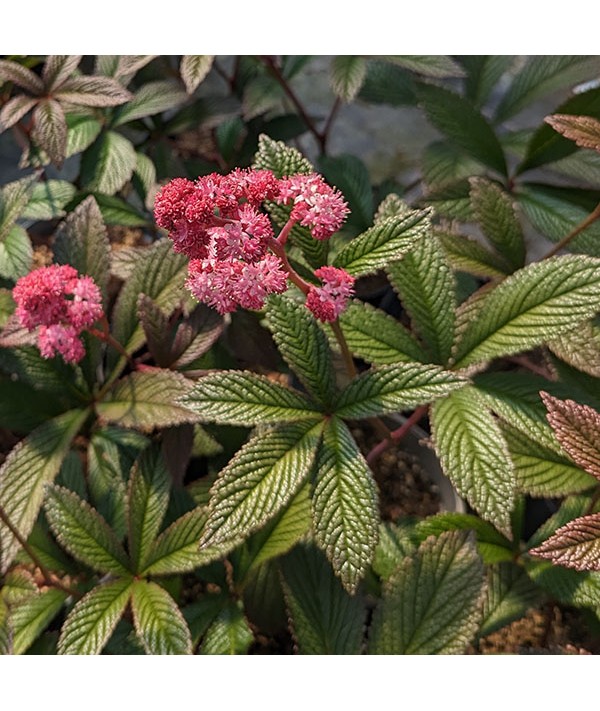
x,y
281,159
386,241
575,545
108,164
94,618
466,254
394,544
148,498
345,505
496,215
16,254
115,211
543,75
391,388
350,175
82,242
323,617
430,605
304,346
262,94
483,74
18,586
463,124
427,289
347,76
377,337
243,398
83,532
50,129
48,200
13,199
535,304
388,84
392,205
571,587
193,69
145,173
106,484
147,400
121,66
34,462
229,633
474,455
14,110
260,480
580,348
429,65
451,201
509,594
100,92
158,621
32,617
445,163
6,633
82,131
152,98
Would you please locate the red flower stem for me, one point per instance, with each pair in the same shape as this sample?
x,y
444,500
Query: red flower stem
x,y
106,336
397,435
278,249
285,232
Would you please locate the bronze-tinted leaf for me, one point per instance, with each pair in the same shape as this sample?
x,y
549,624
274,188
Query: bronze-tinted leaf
x,y
584,130
58,68
21,76
575,545
14,110
93,91
50,129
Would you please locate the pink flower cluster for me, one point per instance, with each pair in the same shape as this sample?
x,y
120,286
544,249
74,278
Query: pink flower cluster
x,y
328,301
62,304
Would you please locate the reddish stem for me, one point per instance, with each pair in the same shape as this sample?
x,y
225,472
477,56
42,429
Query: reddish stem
x,y
396,435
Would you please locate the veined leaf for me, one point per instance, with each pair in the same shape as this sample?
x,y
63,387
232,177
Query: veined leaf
x,y
31,618
6,633
579,348
584,130
98,92
323,617
474,455
13,199
83,532
571,508
347,76
145,173
261,94
430,603
345,505
21,76
388,84
121,66
16,254
396,541
483,74
158,621
14,110
94,618
152,98
427,290
571,587
50,129
196,335
243,398
575,545
463,124
378,338
18,586
444,163
48,200
466,254
229,633
495,213
148,498
509,594
108,163
57,69
391,388
33,463
535,304
392,205
82,242
116,211
106,484
146,400
281,159
451,201
193,69
429,65
260,480
82,131
304,346
383,243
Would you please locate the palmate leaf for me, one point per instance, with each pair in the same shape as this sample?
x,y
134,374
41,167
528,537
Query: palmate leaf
x,y
50,129
427,289
345,505
92,621
158,621
193,69
33,463
48,200
146,400
57,69
21,76
100,92
323,617
391,388
430,605
83,532
14,110
281,159
108,164
535,304
509,594
473,454
468,255
304,346
575,545
16,254
347,76
246,399
229,633
387,241
148,498
577,429
150,99
30,618
260,481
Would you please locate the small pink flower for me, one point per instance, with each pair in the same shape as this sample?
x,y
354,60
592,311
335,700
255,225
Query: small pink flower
x,y
330,300
61,339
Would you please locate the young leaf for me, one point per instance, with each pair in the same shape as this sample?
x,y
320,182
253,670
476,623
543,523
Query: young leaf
x,y
323,617
347,76
108,163
467,255
158,621
229,633
33,463
584,130
193,69
100,92
385,242
281,159
152,98
495,213
260,480
243,398
575,545
50,129
31,618
430,604
463,124
304,346
14,110
48,200
427,290
535,304
92,621
82,241
146,400
391,388
16,254
509,594
148,498
83,532
473,455
345,505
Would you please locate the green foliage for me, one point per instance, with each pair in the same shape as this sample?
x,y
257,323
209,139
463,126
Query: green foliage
x,y
158,621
